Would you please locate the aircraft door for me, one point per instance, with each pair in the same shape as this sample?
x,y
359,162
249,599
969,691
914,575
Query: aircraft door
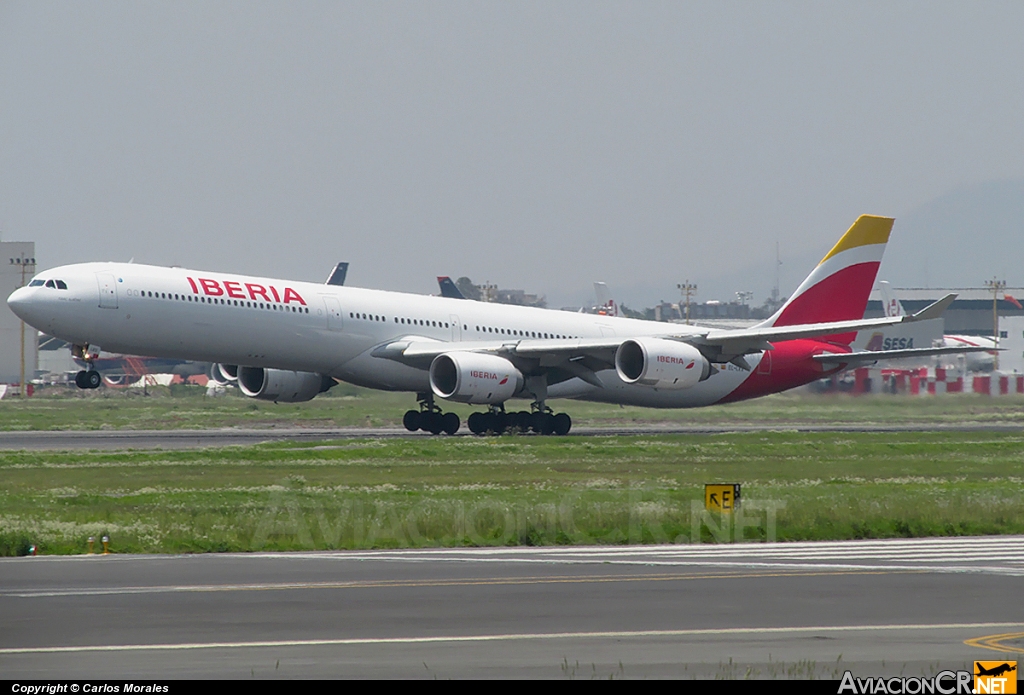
x,y
333,307
456,328
108,290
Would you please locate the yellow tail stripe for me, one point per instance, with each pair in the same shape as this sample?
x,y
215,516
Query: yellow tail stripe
x,y
868,229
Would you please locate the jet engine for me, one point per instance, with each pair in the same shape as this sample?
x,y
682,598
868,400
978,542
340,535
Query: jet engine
x,y
281,385
224,374
473,377
660,363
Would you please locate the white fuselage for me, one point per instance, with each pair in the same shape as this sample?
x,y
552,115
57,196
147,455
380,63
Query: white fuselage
x,y
264,322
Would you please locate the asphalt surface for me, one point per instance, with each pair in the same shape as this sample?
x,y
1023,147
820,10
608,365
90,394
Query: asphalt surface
x,y
188,439
771,610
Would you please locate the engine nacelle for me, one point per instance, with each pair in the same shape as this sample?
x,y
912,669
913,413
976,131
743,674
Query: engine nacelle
x,y
660,363
473,377
281,385
224,374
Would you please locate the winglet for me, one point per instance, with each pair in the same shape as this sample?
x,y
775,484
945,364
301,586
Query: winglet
x,y
932,311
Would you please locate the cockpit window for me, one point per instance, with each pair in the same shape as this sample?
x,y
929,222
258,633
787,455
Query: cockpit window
x,y
49,283
36,283
61,285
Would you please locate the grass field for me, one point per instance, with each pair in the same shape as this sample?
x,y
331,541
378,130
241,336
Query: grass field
x,y
349,406
507,491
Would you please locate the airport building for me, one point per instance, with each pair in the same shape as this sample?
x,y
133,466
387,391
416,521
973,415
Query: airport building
x,y
18,342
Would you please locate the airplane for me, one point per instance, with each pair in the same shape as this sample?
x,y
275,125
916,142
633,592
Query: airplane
x,y
995,670
288,341
982,360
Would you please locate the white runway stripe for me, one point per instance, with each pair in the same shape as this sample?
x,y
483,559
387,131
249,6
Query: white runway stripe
x,y
356,641
992,554
996,555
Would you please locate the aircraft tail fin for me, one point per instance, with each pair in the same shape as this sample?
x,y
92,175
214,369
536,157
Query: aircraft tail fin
x,y
337,276
891,305
606,305
838,287
448,288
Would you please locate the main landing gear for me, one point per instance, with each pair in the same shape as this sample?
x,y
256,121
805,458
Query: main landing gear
x,y
541,420
429,417
495,420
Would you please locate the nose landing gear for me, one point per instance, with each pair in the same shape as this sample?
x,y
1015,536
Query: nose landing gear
x,y
86,379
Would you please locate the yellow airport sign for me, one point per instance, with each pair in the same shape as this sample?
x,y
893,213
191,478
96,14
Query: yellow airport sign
x,y
722,497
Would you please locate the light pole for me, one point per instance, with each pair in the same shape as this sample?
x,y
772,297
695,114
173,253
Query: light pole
x,y
25,264
996,286
687,290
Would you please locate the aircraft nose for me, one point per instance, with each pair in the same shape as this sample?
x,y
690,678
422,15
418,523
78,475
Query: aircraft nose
x,y
19,302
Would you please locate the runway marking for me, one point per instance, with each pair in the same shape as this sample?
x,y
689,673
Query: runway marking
x,y
403,583
995,642
511,637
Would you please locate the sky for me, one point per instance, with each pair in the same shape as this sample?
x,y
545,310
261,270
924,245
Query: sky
x,y
540,146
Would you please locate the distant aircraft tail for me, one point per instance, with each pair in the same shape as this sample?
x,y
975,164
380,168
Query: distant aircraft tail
x,y
838,288
448,288
890,304
605,304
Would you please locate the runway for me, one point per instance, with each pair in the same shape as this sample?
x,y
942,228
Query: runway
x,y
771,610
190,439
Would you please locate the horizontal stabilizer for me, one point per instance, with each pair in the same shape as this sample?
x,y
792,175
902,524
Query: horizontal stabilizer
x,y
869,356
932,311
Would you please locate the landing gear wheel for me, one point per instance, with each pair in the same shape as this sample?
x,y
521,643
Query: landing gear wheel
x,y
411,420
430,422
541,423
522,420
477,423
561,424
450,423
80,380
93,379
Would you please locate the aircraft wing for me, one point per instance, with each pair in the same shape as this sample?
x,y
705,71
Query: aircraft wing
x,y
599,353
584,357
869,356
